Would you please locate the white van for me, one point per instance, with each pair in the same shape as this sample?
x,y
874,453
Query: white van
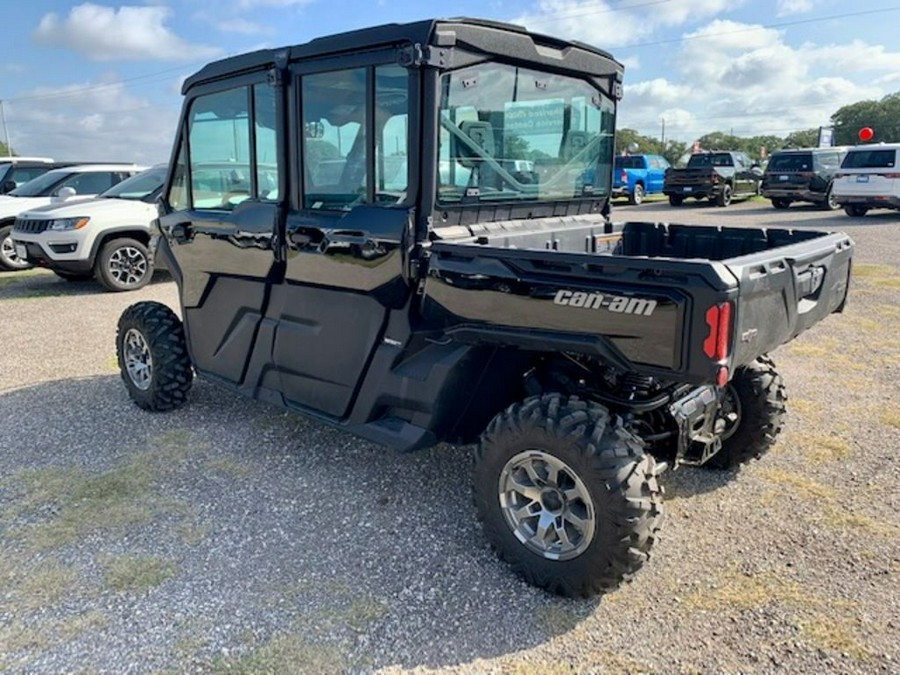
x,y
869,178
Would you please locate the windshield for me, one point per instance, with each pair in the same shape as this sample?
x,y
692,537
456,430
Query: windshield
x,y
4,169
630,162
138,187
40,186
512,134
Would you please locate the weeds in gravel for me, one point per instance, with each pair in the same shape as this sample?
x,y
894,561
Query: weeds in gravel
x,y
890,415
230,467
835,634
9,279
863,270
286,654
805,487
137,572
555,620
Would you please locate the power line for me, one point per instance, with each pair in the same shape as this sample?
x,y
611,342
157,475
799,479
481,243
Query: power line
x,y
562,16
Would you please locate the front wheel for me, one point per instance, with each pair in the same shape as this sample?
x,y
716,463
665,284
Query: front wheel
x,y
856,210
724,197
9,259
676,200
830,203
124,265
753,409
153,356
566,495
637,195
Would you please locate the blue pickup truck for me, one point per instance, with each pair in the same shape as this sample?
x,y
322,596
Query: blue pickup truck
x,y
637,175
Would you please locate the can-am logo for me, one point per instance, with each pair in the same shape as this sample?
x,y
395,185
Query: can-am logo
x,y
612,303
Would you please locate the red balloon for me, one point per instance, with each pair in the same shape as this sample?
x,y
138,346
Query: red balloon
x,y
866,133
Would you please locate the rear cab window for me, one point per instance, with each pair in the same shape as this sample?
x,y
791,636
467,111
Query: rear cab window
x,y
870,159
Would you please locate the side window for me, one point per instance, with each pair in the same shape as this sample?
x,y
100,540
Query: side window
x,y
219,138
91,183
177,197
334,146
391,127
266,142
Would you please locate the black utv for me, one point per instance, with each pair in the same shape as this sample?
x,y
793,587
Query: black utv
x,y
423,254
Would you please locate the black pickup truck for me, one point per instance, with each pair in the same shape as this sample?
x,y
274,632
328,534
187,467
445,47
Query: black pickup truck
x,y
717,176
424,254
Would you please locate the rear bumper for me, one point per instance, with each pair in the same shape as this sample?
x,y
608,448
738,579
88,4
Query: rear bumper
x,y
795,195
872,201
700,191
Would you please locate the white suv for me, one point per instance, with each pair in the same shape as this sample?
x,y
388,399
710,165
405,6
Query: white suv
x,y
869,178
107,237
55,187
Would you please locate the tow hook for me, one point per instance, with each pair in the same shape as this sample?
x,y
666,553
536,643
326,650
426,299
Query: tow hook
x,y
695,415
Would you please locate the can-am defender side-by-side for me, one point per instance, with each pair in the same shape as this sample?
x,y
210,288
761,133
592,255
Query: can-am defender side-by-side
x,y
414,245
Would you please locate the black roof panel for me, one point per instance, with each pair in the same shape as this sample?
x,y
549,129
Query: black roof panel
x,y
491,36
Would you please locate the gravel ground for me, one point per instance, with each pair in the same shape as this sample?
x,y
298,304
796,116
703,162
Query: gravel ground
x,y
229,536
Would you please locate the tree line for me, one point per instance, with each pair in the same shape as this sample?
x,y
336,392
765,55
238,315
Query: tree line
x,y
882,116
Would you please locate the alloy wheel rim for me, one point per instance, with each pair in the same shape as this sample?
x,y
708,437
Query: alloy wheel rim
x,y
731,404
9,255
138,360
127,265
546,505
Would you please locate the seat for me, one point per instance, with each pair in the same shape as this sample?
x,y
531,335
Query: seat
x,y
482,135
573,143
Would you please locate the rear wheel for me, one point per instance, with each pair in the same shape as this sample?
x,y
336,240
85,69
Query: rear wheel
x,y
153,357
830,203
754,409
637,195
9,259
676,200
724,197
566,495
856,210
781,203
123,265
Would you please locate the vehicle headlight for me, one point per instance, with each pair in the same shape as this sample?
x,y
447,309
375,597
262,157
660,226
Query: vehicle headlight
x,y
68,224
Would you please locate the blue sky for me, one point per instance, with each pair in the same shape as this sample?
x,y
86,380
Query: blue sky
x,y
100,80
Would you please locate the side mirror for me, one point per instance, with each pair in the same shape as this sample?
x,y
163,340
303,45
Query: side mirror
x,y
65,193
8,186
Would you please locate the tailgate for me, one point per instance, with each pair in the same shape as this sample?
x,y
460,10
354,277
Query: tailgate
x,y
784,291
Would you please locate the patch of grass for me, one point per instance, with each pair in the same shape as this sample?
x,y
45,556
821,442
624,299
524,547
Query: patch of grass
x,y
112,363
9,279
71,628
890,415
137,572
893,282
804,406
736,590
843,519
286,654
176,446
803,486
191,533
555,620
835,634
46,585
868,271
230,467
827,449
363,611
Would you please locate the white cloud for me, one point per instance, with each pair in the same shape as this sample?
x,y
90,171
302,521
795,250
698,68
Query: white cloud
x,y
108,34
788,7
731,76
249,4
91,121
241,27
609,25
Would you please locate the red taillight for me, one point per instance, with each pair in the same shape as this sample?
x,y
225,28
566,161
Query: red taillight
x,y
623,177
718,319
839,175
891,175
714,177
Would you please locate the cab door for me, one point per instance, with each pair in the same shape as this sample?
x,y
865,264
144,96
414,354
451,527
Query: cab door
x,y
221,218
347,237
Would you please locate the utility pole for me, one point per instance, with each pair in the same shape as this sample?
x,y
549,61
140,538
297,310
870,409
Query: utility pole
x,y
663,135
5,130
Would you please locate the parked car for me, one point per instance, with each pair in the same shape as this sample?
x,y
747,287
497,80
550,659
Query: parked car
x,y
803,175
54,187
15,171
500,310
637,175
107,237
717,176
869,178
